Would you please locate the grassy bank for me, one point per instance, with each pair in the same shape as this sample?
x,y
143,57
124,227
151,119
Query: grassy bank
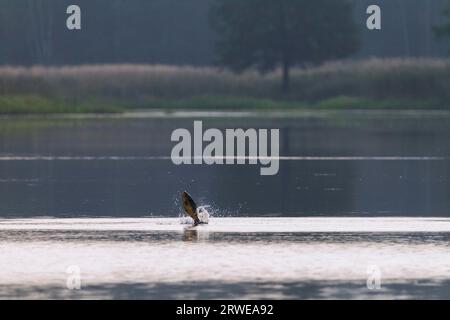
x,y
16,105
370,84
33,104
248,103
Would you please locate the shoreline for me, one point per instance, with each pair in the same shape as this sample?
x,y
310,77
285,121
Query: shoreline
x,y
213,113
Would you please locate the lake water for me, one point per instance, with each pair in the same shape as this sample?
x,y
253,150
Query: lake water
x,y
355,190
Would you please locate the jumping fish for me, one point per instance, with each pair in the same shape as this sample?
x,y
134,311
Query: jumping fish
x,y
192,210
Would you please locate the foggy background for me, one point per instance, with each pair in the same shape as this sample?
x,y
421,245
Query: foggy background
x,y
179,33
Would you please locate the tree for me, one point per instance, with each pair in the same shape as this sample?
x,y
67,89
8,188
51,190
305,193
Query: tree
x,y
267,34
444,30
41,13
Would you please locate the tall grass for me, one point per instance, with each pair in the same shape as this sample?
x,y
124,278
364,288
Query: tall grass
x,y
146,85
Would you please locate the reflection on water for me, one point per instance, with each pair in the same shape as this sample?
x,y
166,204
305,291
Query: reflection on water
x,y
230,258
362,164
192,235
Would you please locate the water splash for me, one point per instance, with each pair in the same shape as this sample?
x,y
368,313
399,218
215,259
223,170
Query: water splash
x,y
203,215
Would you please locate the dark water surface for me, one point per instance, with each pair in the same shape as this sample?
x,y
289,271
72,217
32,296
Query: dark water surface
x,y
363,164
371,166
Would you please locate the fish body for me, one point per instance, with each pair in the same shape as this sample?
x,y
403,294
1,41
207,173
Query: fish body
x,y
199,214
190,207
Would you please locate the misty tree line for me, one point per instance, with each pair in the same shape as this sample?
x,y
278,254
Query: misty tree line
x,y
180,32
139,31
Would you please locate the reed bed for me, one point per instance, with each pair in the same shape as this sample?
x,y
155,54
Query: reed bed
x,y
149,85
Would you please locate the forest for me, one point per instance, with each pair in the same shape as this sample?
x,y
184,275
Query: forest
x,y
179,32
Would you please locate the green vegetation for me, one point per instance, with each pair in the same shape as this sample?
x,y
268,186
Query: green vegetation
x,y
247,103
370,84
32,104
223,103
354,103
16,105
443,30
